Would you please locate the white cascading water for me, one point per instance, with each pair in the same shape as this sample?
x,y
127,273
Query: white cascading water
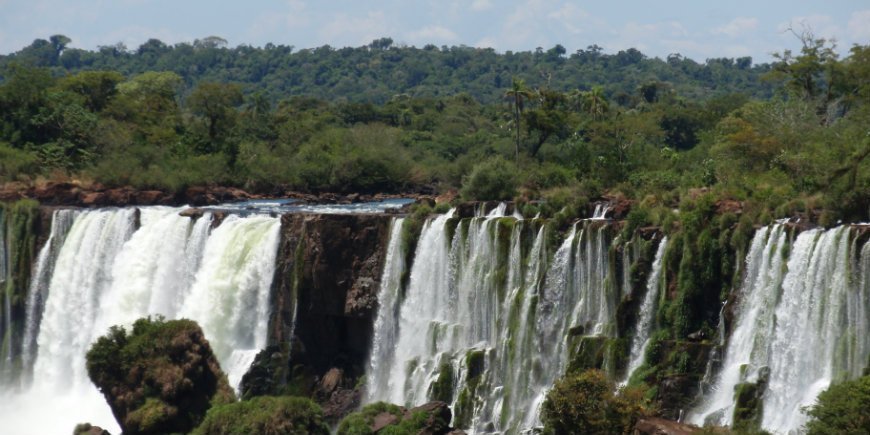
x,y
109,272
646,314
483,287
61,222
747,349
802,318
386,326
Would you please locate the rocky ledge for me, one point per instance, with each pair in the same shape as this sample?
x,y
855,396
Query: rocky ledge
x,y
95,195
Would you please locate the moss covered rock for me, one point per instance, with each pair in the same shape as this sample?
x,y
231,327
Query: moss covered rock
x,y
161,377
432,418
265,415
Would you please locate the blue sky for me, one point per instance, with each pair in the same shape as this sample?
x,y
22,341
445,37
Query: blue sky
x,y
698,29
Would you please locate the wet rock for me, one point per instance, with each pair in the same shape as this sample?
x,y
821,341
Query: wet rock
x,y
194,213
89,429
660,426
438,418
341,403
383,420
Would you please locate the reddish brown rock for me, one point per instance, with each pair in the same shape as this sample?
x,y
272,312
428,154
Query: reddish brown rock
x,y
660,426
383,420
94,199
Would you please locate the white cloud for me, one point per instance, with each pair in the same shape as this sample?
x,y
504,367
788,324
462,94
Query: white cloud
x,y
859,26
433,34
821,26
576,20
737,27
481,5
346,30
486,42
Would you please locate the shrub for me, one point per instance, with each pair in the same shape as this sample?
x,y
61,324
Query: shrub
x,y
586,403
494,179
265,415
15,163
841,409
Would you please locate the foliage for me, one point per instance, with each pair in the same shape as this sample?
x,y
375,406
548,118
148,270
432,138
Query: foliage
x,y
265,415
841,409
360,422
492,179
586,403
161,377
388,118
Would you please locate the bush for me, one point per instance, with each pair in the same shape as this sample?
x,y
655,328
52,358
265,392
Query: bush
x,y
494,179
841,409
415,422
265,415
15,163
586,404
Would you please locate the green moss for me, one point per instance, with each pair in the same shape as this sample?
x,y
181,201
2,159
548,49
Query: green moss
x,y
160,378
19,221
475,363
748,408
442,388
359,423
586,352
265,415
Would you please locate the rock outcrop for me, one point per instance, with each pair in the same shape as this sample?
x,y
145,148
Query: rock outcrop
x,y
431,418
324,305
660,426
162,377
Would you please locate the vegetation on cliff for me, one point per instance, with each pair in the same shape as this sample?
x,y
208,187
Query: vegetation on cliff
x,y
841,409
265,415
587,403
385,418
161,377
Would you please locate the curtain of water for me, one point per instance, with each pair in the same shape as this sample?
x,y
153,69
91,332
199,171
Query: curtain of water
x,y
106,272
801,322
483,294
646,314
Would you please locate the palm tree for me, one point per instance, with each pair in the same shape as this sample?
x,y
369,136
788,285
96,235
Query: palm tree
x,y
594,103
517,93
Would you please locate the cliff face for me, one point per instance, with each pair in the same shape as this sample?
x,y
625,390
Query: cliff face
x,y
329,267
326,280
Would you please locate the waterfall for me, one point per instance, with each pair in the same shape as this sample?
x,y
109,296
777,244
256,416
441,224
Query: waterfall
x,y
106,271
749,342
800,324
813,332
386,324
486,317
61,221
643,329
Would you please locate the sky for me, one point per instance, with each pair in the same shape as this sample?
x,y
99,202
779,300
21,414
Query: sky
x,y
698,29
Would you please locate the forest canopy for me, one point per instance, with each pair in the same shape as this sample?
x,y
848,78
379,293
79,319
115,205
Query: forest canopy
x,y
542,126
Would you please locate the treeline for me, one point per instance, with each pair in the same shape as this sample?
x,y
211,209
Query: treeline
x,y
799,151
377,72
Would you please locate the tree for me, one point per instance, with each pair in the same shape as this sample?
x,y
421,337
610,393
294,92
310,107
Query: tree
x,y
585,403
215,104
96,87
841,409
493,179
518,93
593,102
